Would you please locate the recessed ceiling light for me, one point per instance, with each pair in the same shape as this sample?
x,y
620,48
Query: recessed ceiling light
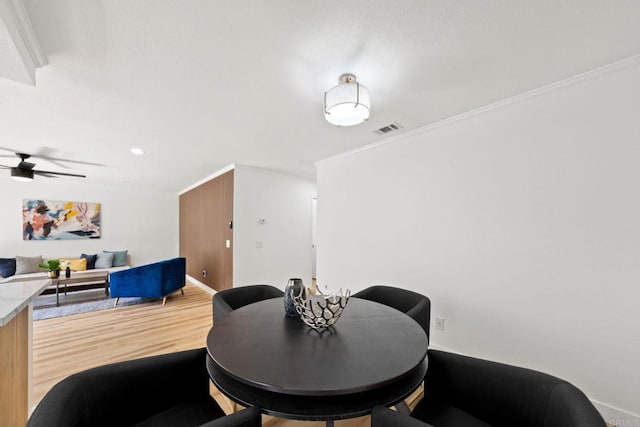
x,y
137,151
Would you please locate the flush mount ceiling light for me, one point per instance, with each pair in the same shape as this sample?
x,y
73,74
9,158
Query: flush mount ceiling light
x,y
348,103
137,151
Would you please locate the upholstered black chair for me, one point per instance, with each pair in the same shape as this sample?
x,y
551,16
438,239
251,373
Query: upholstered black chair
x,y
226,301
415,305
166,390
463,391
385,417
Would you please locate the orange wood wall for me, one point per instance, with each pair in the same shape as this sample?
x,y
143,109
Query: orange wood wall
x,y
205,214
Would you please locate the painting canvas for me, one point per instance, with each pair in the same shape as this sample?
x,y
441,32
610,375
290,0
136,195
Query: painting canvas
x,y
60,220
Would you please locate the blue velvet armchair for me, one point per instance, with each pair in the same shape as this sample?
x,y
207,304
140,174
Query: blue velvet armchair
x,y
155,280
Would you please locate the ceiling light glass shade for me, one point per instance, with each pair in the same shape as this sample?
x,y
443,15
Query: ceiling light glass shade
x,y
348,103
22,175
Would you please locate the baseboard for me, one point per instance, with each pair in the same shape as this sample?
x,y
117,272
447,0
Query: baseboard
x,y
616,416
200,285
436,346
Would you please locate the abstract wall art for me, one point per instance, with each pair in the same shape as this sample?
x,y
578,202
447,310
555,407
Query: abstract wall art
x,y
60,220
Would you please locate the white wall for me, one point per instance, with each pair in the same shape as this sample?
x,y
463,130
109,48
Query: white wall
x,y
521,223
284,202
143,222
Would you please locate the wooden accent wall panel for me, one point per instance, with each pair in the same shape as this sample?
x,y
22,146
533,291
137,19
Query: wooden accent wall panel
x,y
205,215
228,206
14,371
191,236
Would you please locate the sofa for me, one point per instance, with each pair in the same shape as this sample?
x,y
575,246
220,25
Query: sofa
x,y
26,268
155,280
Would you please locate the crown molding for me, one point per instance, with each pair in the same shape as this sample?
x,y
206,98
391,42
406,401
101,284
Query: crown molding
x,y
16,20
209,178
615,66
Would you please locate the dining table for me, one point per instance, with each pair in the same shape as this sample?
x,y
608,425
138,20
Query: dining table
x,y
373,355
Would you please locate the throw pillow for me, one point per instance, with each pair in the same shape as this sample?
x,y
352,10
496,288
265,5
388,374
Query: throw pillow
x,y
119,257
7,267
28,264
91,260
104,260
76,264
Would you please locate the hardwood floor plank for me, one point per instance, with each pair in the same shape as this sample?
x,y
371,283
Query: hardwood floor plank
x,y
65,345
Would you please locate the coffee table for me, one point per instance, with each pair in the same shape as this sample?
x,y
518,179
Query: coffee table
x,y
374,355
85,280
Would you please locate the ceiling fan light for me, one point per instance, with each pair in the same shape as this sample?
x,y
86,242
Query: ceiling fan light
x,y
22,175
348,103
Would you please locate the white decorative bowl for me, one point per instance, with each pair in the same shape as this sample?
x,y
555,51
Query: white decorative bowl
x,y
320,311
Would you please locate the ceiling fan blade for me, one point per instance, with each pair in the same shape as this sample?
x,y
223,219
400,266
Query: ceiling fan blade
x,y
45,157
5,167
58,164
43,173
78,162
9,150
47,154
48,175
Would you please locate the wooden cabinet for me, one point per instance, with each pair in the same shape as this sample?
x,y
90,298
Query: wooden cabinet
x,y
14,370
206,232
16,360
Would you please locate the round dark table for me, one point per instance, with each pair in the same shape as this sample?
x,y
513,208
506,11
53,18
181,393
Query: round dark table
x,y
374,355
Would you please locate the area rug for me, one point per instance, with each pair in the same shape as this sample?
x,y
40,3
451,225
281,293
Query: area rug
x,y
83,307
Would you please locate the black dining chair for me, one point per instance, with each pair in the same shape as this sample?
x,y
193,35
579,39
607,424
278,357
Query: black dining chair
x,y
415,305
165,390
226,301
385,417
462,391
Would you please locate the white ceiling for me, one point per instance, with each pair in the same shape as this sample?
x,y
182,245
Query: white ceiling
x,y
201,84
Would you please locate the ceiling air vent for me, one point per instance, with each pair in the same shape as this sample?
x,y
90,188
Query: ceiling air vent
x,y
391,127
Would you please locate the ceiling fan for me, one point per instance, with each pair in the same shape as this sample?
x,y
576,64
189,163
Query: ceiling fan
x,y
25,170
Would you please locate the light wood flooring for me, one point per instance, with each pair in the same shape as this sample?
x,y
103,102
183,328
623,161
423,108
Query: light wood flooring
x,y
65,345
62,346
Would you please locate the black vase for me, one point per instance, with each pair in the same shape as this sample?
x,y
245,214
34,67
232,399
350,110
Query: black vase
x,y
294,287
67,272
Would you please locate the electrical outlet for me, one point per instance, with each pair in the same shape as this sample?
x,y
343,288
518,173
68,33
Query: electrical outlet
x,y
440,323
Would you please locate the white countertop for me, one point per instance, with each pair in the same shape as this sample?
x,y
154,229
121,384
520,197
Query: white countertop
x,y
15,296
